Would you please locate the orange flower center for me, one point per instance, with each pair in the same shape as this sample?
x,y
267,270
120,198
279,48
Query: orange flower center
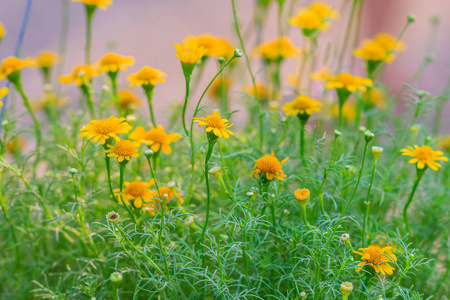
x,y
214,120
136,188
156,135
375,256
105,128
424,154
125,148
268,164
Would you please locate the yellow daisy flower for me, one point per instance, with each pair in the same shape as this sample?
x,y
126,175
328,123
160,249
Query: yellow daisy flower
x,y
80,75
349,82
102,130
321,75
146,76
156,138
378,258
389,42
189,55
127,99
167,194
214,46
379,49
46,59
103,4
12,64
269,166
375,96
123,149
279,48
424,156
302,105
315,17
348,111
302,195
113,62
261,90
48,101
215,124
136,191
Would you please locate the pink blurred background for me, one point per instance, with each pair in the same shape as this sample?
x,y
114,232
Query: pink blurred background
x,y
148,29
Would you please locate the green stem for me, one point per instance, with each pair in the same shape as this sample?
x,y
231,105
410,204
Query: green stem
x,y
87,93
419,176
186,97
302,141
90,9
366,212
149,94
347,35
208,189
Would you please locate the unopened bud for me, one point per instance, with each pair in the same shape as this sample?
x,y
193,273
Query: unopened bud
x,y
362,129
171,184
116,277
377,152
237,52
346,289
73,171
149,152
411,18
302,195
113,217
131,119
337,133
368,135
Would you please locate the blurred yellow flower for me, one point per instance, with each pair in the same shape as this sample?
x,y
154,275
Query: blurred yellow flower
x,y
136,191
269,166
375,96
113,62
302,105
146,76
315,17
377,258
103,4
349,82
261,90
128,100
389,42
278,48
348,111
166,194
102,130
123,150
12,64
321,75
80,75
3,92
156,138
2,31
424,156
215,91
215,124
444,142
381,48
46,59
214,46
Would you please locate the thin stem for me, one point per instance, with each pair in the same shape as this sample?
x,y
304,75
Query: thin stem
x,y
302,141
208,188
90,9
419,176
186,97
366,212
149,94
87,92
347,34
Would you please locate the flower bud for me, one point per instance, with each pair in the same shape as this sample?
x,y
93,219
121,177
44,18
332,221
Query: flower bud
x,y
414,128
345,238
73,171
189,221
377,152
216,172
411,18
149,153
303,295
223,237
131,119
337,133
346,289
302,195
171,184
116,277
250,194
362,129
368,135
237,52
113,217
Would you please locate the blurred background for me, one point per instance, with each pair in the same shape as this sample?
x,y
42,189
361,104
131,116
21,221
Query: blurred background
x,y
148,30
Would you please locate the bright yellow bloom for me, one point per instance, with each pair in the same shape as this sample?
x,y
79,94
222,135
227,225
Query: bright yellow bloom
x,y
136,191
146,76
214,46
389,42
348,111
127,99
123,149
80,75
156,138
270,166
376,97
321,75
101,130
315,17
424,156
113,62
215,124
349,82
380,48
103,4
2,31
189,55
46,59
278,48
261,90
12,64
378,258
302,105
166,193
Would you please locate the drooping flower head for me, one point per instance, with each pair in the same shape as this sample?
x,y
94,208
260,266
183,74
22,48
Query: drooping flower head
x,y
189,56
277,49
348,82
270,167
424,156
162,195
11,66
136,191
102,130
214,46
123,150
314,18
113,62
128,100
81,75
378,258
103,4
302,105
215,124
146,77
156,138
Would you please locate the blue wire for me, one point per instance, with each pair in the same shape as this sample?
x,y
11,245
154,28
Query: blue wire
x,y
16,53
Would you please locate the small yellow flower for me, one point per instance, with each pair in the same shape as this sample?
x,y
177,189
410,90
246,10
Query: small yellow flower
x,y
269,166
424,156
156,138
321,75
2,31
378,258
215,91
302,105
302,195
315,17
101,130
136,191
375,96
146,76
215,124
103,4
279,48
46,59
3,92
123,149
389,42
261,90
381,48
349,82
80,75
167,194
127,99
189,55
214,46
12,64
113,62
